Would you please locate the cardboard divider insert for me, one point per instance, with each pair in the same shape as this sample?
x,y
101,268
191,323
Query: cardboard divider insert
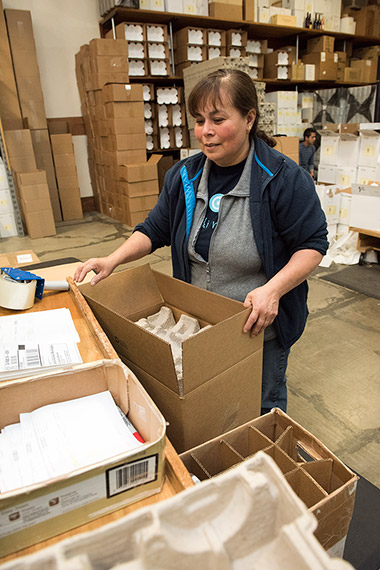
x,y
318,477
248,441
305,487
219,457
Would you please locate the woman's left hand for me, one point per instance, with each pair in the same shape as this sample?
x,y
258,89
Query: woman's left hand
x,y
264,308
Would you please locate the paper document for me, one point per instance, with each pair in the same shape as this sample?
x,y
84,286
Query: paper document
x,y
30,341
59,438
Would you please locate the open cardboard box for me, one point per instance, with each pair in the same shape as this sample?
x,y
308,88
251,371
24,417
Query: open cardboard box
x,y
32,514
317,476
221,386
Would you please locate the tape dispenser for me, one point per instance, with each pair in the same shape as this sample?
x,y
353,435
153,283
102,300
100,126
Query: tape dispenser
x,y
19,289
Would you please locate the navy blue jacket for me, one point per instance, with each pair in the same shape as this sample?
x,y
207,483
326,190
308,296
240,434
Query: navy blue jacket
x,y
286,217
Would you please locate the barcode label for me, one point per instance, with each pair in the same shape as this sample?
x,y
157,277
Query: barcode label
x,y
32,358
130,475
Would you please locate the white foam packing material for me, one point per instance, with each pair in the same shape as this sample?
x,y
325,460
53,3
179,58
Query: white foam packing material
x,y
136,50
155,33
146,93
158,67
247,517
214,38
214,52
176,116
156,50
163,325
163,116
167,95
136,67
134,32
148,127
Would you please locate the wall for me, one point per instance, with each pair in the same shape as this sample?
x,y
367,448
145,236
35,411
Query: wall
x,y
60,28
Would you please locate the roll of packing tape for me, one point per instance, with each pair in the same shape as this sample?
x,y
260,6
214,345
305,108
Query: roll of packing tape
x,y
16,295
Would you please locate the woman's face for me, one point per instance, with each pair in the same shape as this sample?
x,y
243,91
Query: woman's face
x,y
223,134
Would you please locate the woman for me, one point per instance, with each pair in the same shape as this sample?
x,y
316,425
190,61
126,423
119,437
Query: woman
x,y
242,220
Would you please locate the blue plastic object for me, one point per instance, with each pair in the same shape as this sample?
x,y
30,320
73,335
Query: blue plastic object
x,y
20,275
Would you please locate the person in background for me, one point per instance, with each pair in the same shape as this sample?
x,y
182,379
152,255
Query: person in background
x,y
307,150
242,220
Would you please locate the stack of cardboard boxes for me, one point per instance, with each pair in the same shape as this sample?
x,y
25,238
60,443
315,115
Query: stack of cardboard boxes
x,y
27,75
35,203
67,178
9,103
113,112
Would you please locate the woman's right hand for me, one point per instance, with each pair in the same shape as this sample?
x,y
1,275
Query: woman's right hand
x,y
102,266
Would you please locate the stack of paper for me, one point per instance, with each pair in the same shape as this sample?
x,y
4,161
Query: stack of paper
x,y
30,341
59,438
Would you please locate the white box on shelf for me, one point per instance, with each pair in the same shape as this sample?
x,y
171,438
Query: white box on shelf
x,y
7,225
6,206
365,207
3,177
327,173
345,208
348,150
329,149
309,69
346,176
369,151
368,174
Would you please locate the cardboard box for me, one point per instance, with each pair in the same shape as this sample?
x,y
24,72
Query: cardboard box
x,y
139,203
129,126
327,173
346,176
225,11
365,207
367,68
321,43
141,171
351,75
125,142
91,491
120,92
62,144
108,47
283,20
288,146
9,103
18,258
143,188
40,223
131,219
8,226
19,143
317,476
6,203
329,148
70,203
21,39
124,110
221,366
325,65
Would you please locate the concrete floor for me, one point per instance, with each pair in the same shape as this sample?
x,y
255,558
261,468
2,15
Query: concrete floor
x,y
334,370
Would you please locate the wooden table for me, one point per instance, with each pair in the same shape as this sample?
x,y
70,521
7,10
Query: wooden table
x,y
95,345
367,239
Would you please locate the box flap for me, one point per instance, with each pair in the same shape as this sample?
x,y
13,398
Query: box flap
x,y
129,293
155,158
200,303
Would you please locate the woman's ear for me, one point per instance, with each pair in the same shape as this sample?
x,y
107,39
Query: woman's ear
x,y
251,116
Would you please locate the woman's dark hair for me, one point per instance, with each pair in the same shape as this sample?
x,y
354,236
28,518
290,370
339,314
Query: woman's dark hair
x,y
239,88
